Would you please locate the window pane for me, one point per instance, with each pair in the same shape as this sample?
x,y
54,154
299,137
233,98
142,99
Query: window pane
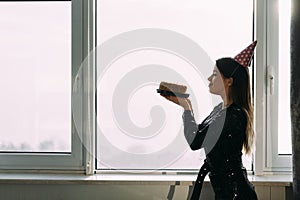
x,y
35,52
284,119
141,43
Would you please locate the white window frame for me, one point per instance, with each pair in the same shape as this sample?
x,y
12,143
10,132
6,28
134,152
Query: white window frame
x,y
267,159
80,156
162,171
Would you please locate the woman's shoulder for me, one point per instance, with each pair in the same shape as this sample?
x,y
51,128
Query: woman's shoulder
x,y
236,111
217,107
232,110
235,107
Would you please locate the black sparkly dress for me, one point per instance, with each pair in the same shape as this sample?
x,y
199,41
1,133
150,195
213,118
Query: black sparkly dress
x,y
221,135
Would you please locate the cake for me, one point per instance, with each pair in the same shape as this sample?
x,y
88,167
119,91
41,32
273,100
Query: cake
x,y
172,89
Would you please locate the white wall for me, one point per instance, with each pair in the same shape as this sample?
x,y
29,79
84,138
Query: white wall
x,y
107,191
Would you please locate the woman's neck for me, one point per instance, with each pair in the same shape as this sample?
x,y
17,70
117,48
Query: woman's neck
x,y
226,103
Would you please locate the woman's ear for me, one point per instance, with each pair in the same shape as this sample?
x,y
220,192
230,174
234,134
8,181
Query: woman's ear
x,y
230,81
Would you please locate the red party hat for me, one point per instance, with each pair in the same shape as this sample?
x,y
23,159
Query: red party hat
x,y
244,58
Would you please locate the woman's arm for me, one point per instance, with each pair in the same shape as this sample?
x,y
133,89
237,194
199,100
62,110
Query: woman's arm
x,y
194,134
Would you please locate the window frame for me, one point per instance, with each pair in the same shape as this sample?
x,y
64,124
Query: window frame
x,y
82,130
176,171
267,159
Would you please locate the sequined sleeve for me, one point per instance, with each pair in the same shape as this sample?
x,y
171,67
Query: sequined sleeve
x,y
194,134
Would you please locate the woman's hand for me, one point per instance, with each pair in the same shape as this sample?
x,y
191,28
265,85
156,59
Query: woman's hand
x,y
183,102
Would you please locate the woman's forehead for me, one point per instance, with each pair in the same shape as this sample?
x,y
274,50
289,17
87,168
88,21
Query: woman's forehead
x,y
216,68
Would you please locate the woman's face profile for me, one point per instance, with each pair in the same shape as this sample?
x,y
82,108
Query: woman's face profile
x,y
216,84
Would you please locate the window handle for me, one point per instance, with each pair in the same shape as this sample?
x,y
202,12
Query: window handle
x,y
271,79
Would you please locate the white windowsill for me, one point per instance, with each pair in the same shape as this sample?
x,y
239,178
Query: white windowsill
x,y
133,179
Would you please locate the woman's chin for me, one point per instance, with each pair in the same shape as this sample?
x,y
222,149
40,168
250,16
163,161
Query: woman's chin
x,y
213,92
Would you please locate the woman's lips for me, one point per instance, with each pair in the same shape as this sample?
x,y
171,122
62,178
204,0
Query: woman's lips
x,y
209,84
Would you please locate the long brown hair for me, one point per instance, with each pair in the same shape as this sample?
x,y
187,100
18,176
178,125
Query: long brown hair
x,y
240,94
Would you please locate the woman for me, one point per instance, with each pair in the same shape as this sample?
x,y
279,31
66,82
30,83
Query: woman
x,y
226,131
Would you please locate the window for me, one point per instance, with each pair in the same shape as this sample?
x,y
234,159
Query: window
x,y
36,87
37,80
136,129
279,131
272,87
139,44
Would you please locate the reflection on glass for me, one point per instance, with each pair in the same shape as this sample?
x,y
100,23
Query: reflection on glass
x,y
35,84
